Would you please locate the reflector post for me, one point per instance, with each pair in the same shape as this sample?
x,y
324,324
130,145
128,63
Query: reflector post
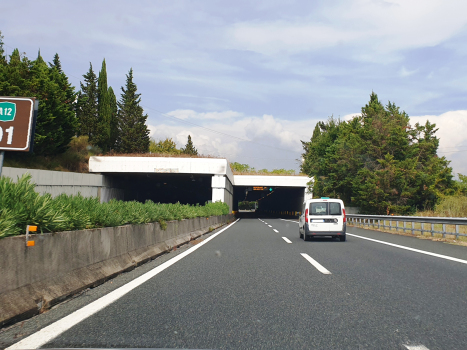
x,y
30,228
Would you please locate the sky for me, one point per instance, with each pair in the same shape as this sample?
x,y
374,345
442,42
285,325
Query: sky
x,y
248,80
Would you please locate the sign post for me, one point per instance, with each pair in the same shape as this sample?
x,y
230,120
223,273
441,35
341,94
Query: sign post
x,y
17,123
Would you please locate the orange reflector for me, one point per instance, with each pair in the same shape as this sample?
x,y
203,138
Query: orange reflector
x,y
30,244
32,228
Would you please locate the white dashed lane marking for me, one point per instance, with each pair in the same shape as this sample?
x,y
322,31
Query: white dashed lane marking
x,y
275,230
416,347
286,239
296,221
316,264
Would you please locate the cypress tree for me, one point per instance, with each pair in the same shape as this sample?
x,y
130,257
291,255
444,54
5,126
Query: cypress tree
x,y
3,67
86,106
113,119
102,138
133,132
189,147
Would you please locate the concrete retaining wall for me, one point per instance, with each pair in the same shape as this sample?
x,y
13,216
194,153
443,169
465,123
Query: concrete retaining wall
x,y
58,182
61,264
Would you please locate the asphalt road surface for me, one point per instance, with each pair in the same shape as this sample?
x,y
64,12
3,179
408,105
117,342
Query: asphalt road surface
x,y
257,285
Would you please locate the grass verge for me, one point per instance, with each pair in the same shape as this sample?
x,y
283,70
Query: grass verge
x,y
438,237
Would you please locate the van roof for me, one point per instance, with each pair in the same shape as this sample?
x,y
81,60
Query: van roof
x,y
325,199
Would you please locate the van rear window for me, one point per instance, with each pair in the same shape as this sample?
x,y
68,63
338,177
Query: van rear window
x,y
326,208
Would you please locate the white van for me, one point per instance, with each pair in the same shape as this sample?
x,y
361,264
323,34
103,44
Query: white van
x,y
322,217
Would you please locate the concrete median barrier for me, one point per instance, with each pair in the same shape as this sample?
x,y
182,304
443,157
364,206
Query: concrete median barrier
x,y
59,265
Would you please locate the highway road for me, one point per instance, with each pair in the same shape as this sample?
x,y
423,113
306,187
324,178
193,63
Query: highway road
x,y
257,285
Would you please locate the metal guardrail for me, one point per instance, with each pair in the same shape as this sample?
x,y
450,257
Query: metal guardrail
x,y
379,221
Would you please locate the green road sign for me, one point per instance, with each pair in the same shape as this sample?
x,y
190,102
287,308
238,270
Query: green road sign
x,y
7,111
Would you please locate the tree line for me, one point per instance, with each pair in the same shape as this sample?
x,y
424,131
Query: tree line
x,y
378,161
246,169
93,111
169,147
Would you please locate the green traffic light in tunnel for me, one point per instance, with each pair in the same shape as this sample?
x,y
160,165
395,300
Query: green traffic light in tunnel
x,y
270,189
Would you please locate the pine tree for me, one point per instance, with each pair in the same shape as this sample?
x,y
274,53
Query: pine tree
x,y
133,132
17,75
102,137
190,148
86,106
55,121
56,63
164,146
67,98
378,162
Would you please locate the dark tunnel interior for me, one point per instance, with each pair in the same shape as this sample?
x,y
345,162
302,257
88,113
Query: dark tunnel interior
x,y
165,188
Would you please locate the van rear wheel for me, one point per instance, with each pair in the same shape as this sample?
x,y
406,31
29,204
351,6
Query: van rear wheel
x,y
342,238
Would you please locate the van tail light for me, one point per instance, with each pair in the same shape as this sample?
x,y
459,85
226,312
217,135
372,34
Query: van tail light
x,y
306,215
343,211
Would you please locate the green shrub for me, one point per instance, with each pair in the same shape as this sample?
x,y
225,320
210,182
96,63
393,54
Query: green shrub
x,y
20,205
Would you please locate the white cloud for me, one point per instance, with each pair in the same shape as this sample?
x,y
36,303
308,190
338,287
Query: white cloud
x,y
350,116
191,114
452,126
452,136
373,28
405,72
275,142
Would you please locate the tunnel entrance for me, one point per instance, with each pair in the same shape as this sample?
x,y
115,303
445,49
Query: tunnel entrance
x,y
165,188
272,201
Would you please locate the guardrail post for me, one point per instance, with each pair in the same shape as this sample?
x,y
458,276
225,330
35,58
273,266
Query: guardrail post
x,y
379,223
423,229
397,226
413,228
457,231
444,230
405,226
432,230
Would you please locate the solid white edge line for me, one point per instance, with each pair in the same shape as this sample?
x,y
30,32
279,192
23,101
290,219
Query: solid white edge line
x,y
411,249
286,239
52,331
275,230
316,264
